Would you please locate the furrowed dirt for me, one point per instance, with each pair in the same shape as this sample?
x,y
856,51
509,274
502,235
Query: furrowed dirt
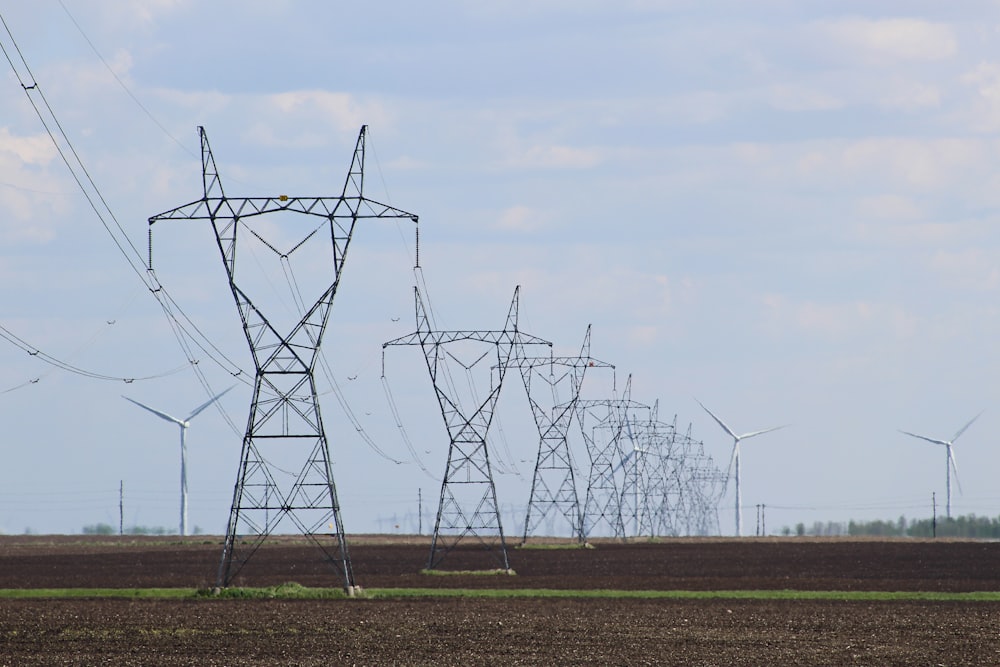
x,y
450,631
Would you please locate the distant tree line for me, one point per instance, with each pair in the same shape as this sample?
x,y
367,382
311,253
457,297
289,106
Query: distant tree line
x,y
968,526
107,529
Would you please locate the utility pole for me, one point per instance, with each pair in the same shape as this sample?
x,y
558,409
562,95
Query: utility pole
x,y
121,507
933,514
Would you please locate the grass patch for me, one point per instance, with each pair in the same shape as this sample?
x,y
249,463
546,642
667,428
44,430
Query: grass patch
x,y
289,591
871,596
464,573
545,546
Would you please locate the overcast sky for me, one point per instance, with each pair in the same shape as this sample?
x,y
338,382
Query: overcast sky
x,y
785,210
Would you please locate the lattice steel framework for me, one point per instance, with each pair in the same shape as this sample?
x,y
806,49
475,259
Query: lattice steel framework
x,y
643,484
603,426
553,485
468,503
284,421
701,492
671,487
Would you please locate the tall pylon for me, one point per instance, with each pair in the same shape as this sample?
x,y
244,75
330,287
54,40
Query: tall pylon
x,y
603,424
553,484
284,424
468,506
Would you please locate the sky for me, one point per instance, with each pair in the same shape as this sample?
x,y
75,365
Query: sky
x,y
787,211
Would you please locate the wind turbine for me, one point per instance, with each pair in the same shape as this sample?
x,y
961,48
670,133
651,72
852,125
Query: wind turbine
x,y
183,423
950,463
734,462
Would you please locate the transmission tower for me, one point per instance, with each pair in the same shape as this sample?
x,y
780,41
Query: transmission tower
x,y
553,485
603,502
284,423
642,486
468,502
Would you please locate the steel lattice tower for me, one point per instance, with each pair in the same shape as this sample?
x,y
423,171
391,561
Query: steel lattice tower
x,y
284,422
468,503
553,485
642,487
603,502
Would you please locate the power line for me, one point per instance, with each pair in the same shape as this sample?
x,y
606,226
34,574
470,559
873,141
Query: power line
x,y
122,83
109,221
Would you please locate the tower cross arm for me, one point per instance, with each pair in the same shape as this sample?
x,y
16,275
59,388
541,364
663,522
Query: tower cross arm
x,y
572,362
377,209
201,209
244,207
521,338
409,339
482,336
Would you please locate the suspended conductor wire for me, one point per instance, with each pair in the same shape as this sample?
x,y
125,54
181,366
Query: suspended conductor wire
x,y
511,465
402,431
388,200
327,371
122,83
95,197
15,340
55,362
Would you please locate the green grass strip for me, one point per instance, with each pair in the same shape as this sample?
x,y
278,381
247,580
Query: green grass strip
x,y
66,593
470,573
295,591
397,593
545,546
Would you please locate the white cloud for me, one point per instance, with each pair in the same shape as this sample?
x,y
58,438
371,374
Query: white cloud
x,y
914,162
794,97
341,109
133,15
32,150
985,77
520,219
907,95
200,103
899,39
968,268
889,207
559,157
835,320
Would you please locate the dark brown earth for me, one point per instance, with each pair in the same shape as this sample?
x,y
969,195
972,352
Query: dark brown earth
x,y
212,631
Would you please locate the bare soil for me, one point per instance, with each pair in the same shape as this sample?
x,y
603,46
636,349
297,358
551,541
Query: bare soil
x,y
513,631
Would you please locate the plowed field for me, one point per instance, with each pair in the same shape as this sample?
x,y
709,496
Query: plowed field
x,y
457,631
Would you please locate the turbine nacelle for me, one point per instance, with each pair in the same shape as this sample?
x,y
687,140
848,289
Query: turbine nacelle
x,y
952,466
184,424
734,460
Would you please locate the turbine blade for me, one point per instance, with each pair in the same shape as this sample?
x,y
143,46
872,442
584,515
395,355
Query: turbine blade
x,y
923,437
622,463
628,429
207,403
954,467
161,415
720,422
766,430
962,430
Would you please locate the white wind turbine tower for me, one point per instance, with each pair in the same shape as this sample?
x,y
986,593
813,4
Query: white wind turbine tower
x,y
950,462
734,462
183,423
